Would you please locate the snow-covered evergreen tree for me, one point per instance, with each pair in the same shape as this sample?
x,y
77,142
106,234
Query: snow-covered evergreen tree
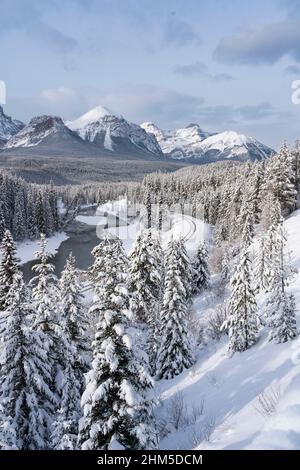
x,y
47,317
248,229
280,179
74,322
185,268
145,277
8,267
65,425
19,219
26,400
242,321
280,310
2,221
175,352
201,274
262,271
116,409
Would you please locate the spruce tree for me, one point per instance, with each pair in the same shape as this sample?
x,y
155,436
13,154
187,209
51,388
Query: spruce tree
x,y
242,321
280,310
201,274
145,277
185,268
74,361
19,219
262,271
47,318
2,221
26,400
174,354
74,323
116,409
65,425
8,267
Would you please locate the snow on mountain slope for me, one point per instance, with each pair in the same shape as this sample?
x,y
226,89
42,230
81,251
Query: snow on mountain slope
x,y
193,143
8,127
112,132
38,130
230,144
178,143
230,387
94,115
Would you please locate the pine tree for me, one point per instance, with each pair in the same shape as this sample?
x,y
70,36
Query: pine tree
x,y
280,311
200,270
116,410
246,221
8,267
65,426
280,179
74,323
26,401
174,353
248,230
74,361
47,316
262,271
242,321
185,269
19,219
2,221
145,277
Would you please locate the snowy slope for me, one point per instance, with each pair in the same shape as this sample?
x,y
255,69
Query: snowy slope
x,y
230,144
193,143
229,387
112,132
8,127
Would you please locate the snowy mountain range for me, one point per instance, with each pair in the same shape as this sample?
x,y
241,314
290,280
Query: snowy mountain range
x,y
193,143
100,132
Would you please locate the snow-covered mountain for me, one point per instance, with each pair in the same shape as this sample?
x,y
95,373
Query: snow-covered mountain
x,y
102,133
231,145
192,142
112,132
8,127
178,143
42,130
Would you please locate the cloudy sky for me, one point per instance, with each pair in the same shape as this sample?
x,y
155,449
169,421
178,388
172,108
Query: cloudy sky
x,y
226,64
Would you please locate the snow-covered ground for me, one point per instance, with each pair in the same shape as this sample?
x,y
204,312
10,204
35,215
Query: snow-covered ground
x,y
26,250
230,388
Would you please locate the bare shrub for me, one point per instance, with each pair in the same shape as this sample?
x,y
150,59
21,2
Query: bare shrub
x,y
163,428
208,428
267,401
215,321
177,411
178,416
202,432
196,411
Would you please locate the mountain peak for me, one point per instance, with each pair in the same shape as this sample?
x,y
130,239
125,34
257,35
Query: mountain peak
x,y
36,131
109,131
92,116
8,126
